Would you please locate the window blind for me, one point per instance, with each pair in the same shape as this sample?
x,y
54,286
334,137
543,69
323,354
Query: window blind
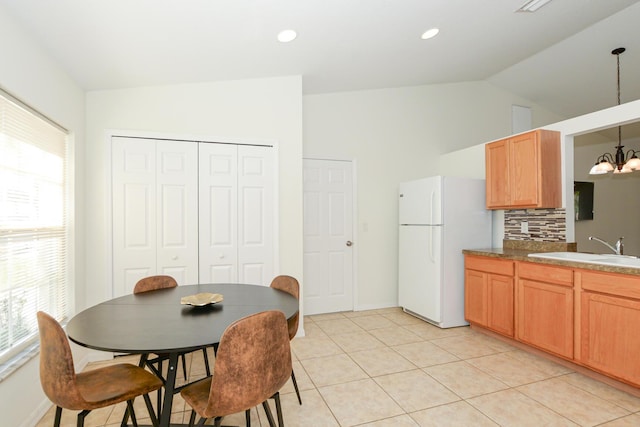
x,y
33,224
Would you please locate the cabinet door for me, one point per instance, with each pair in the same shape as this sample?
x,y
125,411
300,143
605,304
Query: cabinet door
x,y
475,297
545,316
523,170
497,174
610,341
500,304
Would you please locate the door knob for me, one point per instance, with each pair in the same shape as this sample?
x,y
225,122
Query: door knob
x,y
349,243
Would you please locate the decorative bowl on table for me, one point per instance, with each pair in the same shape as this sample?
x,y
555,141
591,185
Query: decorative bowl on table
x,y
202,299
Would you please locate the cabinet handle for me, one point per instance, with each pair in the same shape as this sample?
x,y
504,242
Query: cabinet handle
x,y
349,243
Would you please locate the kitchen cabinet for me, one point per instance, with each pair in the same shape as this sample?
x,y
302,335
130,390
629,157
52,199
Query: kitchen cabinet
x,y
514,171
489,293
609,341
544,307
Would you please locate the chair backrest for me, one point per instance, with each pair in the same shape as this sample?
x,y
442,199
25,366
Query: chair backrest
x,y
152,283
57,373
291,286
253,362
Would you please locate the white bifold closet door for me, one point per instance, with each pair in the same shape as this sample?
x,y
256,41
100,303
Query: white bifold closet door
x,y
236,187
154,211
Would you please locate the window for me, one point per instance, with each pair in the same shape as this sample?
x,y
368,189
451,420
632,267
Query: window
x,y
33,223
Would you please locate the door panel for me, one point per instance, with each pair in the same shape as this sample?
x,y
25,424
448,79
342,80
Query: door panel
x,y
218,183
133,212
328,233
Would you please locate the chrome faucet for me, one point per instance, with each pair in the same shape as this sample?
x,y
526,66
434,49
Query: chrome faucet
x,y
618,249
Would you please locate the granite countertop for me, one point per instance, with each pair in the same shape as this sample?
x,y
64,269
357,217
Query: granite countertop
x,y
520,250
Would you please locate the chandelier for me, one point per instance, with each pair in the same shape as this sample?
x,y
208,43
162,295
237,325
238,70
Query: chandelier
x,y
618,162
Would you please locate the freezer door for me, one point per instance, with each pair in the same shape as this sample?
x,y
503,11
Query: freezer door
x,y
420,271
420,202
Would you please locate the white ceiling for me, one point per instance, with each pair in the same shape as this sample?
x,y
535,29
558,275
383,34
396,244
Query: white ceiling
x,y
558,56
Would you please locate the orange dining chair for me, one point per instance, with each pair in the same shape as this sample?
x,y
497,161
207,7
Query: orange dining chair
x,y
89,390
291,286
253,362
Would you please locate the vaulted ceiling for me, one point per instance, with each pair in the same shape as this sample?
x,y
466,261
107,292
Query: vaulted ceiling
x,y
558,56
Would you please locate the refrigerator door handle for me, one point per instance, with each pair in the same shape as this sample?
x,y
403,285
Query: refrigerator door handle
x,y
431,251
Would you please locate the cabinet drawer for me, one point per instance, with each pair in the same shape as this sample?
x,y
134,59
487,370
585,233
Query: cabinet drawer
x,y
545,273
610,283
489,265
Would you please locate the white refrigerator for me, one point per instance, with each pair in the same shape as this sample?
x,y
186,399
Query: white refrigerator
x,y
439,217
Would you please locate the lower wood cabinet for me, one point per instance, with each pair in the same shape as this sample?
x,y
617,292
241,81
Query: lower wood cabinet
x,y
489,293
589,317
544,307
610,324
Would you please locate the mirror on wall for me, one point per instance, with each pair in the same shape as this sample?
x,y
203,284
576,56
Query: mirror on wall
x,y
616,198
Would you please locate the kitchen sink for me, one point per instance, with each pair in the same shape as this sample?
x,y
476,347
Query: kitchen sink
x,y
602,259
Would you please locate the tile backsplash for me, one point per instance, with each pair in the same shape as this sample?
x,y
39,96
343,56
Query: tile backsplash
x,y
545,225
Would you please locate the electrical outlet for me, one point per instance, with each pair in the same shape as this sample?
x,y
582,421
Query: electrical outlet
x,y
524,227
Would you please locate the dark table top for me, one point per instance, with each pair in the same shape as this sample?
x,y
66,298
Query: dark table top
x,y
156,322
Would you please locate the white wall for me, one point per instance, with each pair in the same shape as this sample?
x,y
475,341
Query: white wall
x,y
30,75
396,135
260,109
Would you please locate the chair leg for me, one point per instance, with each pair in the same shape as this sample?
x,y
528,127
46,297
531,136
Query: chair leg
x,y
217,422
192,418
279,409
132,413
206,361
247,417
56,421
295,385
184,366
81,416
152,414
267,410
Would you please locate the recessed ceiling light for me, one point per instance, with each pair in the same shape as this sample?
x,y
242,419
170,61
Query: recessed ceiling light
x,y
430,33
286,36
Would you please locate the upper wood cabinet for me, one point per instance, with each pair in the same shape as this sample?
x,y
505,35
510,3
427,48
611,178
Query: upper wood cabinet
x,y
524,171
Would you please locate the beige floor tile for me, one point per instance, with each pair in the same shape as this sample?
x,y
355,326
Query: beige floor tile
x,y
512,408
333,327
423,354
465,346
464,379
628,421
402,318
572,402
310,347
415,390
330,370
357,341
312,330
327,316
396,336
375,321
428,331
381,361
303,380
454,414
547,367
625,400
508,370
359,402
313,412
400,421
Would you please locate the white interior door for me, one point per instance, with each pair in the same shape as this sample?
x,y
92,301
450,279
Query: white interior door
x,y
154,216
236,214
328,236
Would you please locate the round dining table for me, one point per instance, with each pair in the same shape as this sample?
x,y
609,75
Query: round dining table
x,y
157,322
